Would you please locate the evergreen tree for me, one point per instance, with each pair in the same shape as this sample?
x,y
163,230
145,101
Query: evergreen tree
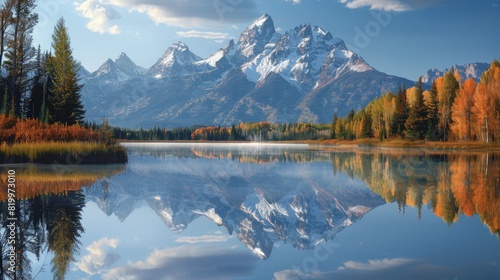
x,y
334,124
350,116
450,87
63,68
233,136
366,124
400,113
106,133
64,230
5,103
35,100
433,114
416,124
6,15
20,53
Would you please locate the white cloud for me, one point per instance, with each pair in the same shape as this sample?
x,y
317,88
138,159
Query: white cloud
x,y
387,5
204,35
376,264
187,263
294,1
99,256
195,13
202,239
100,15
390,5
387,269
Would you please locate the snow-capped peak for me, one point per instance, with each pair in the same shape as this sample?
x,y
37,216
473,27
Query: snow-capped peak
x,y
126,65
178,53
253,40
175,60
261,21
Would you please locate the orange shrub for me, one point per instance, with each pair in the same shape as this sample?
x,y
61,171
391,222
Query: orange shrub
x,y
33,131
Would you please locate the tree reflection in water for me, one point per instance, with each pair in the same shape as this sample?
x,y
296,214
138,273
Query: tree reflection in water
x,y
451,184
49,208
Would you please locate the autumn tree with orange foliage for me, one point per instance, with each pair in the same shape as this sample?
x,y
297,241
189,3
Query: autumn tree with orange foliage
x,y
461,111
487,104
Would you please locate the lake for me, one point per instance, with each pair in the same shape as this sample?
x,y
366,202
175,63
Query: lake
x,y
258,211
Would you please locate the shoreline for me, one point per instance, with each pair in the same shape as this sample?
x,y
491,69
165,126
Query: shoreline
x,y
363,143
65,153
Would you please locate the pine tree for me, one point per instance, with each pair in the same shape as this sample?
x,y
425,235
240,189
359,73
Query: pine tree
x,y
20,53
5,103
433,114
450,87
233,136
334,124
400,113
416,124
63,68
35,100
366,125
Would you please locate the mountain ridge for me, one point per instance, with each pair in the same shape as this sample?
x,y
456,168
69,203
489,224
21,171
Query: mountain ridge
x,y
302,75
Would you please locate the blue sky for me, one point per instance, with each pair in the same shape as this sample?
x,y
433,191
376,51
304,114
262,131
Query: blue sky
x,y
399,37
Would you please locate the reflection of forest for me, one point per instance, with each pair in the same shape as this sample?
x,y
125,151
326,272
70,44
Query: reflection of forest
x,y
35,180
451,184
247,153
48,213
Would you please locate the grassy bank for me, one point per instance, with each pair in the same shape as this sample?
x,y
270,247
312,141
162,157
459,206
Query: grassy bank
x,y
62,153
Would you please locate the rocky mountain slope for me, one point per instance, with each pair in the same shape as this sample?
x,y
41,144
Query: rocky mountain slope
x,y
304,74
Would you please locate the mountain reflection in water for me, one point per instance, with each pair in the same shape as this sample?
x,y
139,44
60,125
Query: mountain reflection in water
x,y
264,195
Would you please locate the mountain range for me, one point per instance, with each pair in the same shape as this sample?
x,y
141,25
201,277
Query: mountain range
x,y
471,70
304,74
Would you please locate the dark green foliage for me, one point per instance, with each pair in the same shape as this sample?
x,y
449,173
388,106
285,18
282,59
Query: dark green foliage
x,y
333,126
233,136
433,115
64,230
400,114
416,123
36,99
450,87
19,54
366,125
65,89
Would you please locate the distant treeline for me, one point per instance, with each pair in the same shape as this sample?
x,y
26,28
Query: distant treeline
x,y
261,131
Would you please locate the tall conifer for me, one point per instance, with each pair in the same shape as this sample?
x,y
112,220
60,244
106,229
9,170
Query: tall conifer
x,y
63,69
433,114
416,124
400,113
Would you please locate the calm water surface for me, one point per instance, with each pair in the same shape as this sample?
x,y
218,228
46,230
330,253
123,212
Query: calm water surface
x,y
248,211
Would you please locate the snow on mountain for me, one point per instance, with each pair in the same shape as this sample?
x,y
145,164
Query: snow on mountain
x,y
127,66
304,74
253,39
119,70
177,60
